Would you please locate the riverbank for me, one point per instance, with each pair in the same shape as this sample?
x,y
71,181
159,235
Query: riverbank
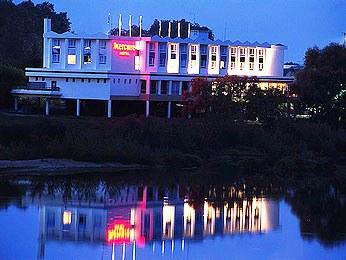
x,y
286,148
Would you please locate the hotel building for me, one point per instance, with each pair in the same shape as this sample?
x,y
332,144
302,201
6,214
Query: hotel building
x,y
145,70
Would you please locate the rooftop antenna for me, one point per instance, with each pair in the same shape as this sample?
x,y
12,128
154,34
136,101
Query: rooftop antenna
x,y
109,22
160,27
140,25
169,29
189,30
130,26
119,25
179,34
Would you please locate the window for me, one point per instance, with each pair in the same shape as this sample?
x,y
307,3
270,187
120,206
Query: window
x,y
153,87
125,80
113,81
143,86
118,81
87,52
260,59
164,87
183,55
151,54
56,51
193,53
98,81
53,84
173,51
163,51
130,81
89,80
223,57
73,80
136,81
203,62
213,56
175,87
105,81
71,52
82,80
103,44
102,59
242,58
66,79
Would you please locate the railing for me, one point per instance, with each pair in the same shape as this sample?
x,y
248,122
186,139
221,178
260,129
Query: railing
x,y
38,86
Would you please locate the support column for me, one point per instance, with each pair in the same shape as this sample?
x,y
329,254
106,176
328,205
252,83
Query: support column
x,y
109,110
159,87
169,109
77,107
147,108
180,88
47,107
170,87
15,103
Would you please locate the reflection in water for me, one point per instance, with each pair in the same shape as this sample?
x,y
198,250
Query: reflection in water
x,y
137,215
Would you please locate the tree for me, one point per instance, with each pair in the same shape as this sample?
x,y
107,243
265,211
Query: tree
x,y
154,29
21,29
320,86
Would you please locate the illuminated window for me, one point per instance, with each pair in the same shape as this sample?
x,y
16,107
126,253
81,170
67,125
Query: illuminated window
x,y
241,58
151,54
213,56
183,55
56,51
163,51
87,52
71,52
223,57
203,62
173,51
251,59
260,59
193,52
67,217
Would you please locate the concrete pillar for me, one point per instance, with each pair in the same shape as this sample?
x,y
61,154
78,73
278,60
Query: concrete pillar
x,y
47,107
159,87
109,110
180,88
170,83
147,87
147,108
15,103
169,109
77,107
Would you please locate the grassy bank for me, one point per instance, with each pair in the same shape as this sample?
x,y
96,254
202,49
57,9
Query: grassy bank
x,y
214,143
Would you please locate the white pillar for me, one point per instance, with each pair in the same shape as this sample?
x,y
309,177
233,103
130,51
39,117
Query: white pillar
x,y
147,108
147,87
15,103
47,107
77,107
170,87
109,110
159,87
180,88
169,110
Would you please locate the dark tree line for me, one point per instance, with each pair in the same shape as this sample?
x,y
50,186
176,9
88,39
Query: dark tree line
x,y
21,29
154,29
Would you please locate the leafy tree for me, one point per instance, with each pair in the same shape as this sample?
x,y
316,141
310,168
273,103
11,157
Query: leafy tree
x,y
321,85
154,29
21,29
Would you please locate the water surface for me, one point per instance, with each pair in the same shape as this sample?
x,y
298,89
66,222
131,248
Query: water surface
x,y
119,218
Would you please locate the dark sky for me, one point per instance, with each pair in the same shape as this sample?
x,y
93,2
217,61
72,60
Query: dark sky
x,y
299,24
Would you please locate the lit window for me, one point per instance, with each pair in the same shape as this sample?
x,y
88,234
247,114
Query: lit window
x,y
87,52
56,51
173,51
67,217
213,56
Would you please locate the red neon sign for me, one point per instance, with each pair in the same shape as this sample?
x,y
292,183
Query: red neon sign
x,y
119,233
124,48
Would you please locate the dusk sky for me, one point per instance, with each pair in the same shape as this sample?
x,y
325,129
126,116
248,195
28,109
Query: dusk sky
x,y
299,24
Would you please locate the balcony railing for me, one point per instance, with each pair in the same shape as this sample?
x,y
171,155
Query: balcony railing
x,y
38,86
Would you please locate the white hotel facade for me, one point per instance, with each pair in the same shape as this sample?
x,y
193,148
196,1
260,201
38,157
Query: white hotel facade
x,y
143,69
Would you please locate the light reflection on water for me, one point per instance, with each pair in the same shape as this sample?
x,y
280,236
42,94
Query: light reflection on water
x,y
131,221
